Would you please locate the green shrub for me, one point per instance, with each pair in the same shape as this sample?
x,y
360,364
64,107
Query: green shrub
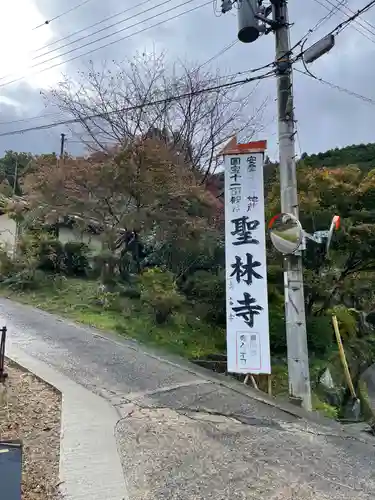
x,y
277,329
7,264
347,321
129,291
108,300
328,410
105,266
50,255
319,334
159,292
76,258
207,292
27,279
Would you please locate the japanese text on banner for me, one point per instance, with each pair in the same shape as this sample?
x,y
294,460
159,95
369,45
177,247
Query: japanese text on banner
x,y
246,274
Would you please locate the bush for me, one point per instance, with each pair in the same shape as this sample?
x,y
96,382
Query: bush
x,y
207,291
129,291
76,259
319,334
7,264
104,266
109,301
50,256
347,321
277,329
27,279
159,291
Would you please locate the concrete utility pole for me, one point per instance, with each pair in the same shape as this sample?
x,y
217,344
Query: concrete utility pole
x,y
253,20
62,145
15,176
298,358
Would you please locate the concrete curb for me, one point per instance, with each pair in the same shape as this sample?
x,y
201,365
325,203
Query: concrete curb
x,y
88,450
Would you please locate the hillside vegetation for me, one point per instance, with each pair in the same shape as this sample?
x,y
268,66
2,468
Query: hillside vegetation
x,y
361,155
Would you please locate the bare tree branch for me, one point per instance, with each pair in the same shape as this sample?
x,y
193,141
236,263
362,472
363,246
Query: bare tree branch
x,y
193,127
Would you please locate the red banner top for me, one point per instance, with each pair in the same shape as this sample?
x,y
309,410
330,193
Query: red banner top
x,y
233,148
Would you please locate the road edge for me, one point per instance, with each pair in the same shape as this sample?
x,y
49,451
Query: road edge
x,y
88,446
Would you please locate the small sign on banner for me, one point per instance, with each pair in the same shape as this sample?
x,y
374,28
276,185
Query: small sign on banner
x,y
248,346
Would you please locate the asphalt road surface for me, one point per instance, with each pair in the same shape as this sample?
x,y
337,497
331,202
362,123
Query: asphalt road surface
x,y
186,434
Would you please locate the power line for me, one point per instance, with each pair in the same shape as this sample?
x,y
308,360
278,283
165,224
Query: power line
x,y
48,21
345,20
22,120
299,56
104,37
328,16
101,30
144,105
91,26
363,23
352,18
360,20
237,74
338,87
337,29
114,41
222,51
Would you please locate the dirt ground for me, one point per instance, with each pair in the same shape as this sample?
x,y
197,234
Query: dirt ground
x,y
30,410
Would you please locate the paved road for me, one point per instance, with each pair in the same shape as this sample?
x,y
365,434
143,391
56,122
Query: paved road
x,y
182,434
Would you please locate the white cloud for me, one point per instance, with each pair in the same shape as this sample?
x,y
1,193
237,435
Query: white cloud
x,y
19,43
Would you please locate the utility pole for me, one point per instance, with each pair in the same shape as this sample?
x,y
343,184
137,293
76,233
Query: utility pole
x,y
15,176
253,21
295,317
62,144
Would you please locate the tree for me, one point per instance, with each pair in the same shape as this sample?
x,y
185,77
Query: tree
x,y
350,193
143,189
114,105
13,168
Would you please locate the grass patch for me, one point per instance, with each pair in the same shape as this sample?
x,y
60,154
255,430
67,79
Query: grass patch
x,y
183,334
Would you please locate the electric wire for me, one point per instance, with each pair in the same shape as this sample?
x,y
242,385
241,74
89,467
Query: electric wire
x,y
113,41
328,16
299,56
31,118
337,29
344,16
121,21
341,25
360,20
344,24
222,51
215,78
98,23
178,97
72,9
368,100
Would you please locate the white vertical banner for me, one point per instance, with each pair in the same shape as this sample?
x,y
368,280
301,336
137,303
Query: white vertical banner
x,y
248,345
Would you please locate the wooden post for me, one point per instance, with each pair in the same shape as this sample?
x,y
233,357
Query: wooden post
x,y
343,357
269,382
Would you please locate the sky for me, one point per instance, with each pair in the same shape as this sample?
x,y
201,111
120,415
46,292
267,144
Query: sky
x,y
33,61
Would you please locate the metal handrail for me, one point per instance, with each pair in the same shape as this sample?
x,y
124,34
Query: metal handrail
x,y
3,375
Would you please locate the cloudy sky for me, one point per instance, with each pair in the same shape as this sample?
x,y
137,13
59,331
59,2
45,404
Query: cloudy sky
x,y
327,117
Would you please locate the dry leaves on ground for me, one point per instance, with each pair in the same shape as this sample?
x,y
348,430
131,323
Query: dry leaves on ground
x,y
30,410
